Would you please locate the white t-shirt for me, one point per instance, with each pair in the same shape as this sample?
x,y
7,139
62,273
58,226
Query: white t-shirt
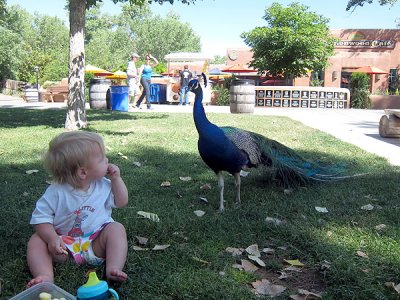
x,y
133,82
75,212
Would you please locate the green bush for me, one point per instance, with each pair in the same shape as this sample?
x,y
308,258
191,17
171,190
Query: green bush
x,y
359,90
223,95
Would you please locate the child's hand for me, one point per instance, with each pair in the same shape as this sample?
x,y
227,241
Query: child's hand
x,y
113,171
57,247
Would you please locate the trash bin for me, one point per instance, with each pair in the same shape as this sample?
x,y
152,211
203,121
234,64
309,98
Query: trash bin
x,y
119,97
158,93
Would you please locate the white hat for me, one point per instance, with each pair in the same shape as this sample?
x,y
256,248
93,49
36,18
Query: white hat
x,y
134,54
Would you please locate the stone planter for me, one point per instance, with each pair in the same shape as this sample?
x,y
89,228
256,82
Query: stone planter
x,y
385,101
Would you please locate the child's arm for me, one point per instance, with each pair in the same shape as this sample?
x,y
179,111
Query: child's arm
x,y
118,186
50,237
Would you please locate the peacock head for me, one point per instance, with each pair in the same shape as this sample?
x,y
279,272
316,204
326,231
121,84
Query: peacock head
x,y
194,84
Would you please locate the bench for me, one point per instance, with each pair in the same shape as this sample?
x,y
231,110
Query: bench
x,y
55,93
389,124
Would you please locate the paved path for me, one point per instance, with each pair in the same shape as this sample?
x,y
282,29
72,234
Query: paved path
x,y
355,126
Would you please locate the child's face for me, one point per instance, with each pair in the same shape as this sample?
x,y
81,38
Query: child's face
x,y
98,165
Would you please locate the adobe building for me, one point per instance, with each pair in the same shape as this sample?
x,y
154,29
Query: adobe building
x,y
375,49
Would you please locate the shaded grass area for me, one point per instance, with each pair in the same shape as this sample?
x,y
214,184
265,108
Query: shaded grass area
x,y
196,265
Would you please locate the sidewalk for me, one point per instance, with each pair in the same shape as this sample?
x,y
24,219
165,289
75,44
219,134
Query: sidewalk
x,y
356,126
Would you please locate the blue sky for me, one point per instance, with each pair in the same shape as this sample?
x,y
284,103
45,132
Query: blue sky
x,y
220,22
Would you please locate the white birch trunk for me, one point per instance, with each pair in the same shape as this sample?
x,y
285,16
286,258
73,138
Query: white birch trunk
x,y
76,112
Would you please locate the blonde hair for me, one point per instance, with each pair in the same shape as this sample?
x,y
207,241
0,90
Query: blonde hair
x,y
68,152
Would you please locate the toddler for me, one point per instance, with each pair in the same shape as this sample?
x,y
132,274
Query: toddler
x,y
73,216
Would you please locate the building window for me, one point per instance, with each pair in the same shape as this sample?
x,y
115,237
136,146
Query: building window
x,y
345,79
394,81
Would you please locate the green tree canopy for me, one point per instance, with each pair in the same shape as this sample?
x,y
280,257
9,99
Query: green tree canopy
x,y
294,41
354,3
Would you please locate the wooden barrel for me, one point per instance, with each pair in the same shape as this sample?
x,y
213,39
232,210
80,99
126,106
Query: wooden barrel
x,y
242,96
31,95
98,88
389,126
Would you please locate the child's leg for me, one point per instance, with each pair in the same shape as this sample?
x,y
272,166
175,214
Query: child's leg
x,y
39,261
112,245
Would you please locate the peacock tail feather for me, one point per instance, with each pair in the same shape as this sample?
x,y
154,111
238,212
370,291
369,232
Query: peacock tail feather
x,y
289,166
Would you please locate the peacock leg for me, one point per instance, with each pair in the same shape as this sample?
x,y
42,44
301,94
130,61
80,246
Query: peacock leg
x,y
221,191
237,184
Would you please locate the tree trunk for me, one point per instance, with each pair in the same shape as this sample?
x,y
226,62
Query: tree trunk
x,y
76,113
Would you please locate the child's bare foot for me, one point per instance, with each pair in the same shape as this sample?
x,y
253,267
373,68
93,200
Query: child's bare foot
x,y
117,276
37,280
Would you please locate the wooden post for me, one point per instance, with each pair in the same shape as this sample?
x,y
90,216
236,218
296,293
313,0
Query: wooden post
x,y
389,126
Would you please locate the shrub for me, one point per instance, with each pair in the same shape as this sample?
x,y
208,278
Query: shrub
x,y
359,89
223,95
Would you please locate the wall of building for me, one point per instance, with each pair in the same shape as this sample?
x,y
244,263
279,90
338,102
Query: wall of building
x,y
357,48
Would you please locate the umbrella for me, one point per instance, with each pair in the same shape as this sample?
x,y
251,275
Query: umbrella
x,y
370,70
238,68
117,75
96,71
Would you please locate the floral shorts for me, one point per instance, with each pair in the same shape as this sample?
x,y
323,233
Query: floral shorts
x,y
81,249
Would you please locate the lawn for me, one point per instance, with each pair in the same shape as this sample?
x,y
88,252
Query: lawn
x,y
344,254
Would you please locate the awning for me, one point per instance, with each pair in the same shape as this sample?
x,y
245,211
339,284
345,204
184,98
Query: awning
x,y
370,70
96,71
238,68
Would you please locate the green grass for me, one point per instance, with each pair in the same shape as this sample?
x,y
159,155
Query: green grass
x,y
196,265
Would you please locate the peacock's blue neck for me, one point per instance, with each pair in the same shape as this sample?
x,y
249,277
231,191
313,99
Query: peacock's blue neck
x,y
199,115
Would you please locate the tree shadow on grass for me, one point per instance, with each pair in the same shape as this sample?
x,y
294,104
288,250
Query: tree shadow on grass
x,y
237,227
22,117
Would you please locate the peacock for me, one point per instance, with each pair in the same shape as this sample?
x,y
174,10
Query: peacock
x,y
232,149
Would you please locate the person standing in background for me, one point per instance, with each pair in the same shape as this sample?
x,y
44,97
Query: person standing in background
x,y
133,78
146,70
186,76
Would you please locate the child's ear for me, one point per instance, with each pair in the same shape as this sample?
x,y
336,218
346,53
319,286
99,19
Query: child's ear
x,y
82,173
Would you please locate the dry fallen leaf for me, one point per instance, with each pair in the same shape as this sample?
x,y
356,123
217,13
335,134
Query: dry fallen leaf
x,y
257,260
137,164
362,254
206,186
392,285
274,221
148,215
142,240
287,191
244,173
165,184
204,199
268,250
137,248
122,155
283,275
248,266
234,251
253,250
321,209
199,213
160,247
187,178
293,269
31,171
200,260
380,227
367,207
265,287
294,262
309,295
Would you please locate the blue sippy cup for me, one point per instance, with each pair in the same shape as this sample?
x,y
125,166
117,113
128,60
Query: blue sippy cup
x,y
95,289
